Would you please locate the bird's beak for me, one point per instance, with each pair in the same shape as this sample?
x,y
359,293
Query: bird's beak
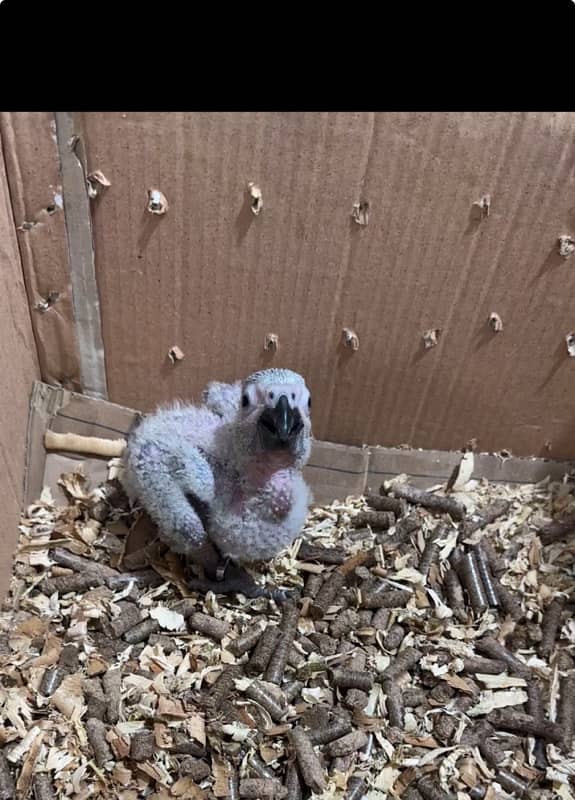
x,y
280,424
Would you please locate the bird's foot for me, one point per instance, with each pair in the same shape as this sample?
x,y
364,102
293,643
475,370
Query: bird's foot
x,y
228,578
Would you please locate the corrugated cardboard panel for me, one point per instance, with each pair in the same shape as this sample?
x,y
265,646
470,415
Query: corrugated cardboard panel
x,y
68,412
210,276
425,262
214,279
333,472
336,471
427,468
32,164
88,416
18,368
63,411
44,402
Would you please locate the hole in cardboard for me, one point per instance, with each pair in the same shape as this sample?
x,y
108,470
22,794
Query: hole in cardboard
x,y
480,208
431,337
566,246
43,305
360,213
351,339
272,342
495,322
256,199
157,203
97,182
175,354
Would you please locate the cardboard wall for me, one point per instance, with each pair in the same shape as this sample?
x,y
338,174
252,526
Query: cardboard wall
x,y
34,179
18,369
214,279
333,472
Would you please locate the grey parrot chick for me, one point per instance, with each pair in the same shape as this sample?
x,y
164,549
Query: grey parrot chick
x,y
223,481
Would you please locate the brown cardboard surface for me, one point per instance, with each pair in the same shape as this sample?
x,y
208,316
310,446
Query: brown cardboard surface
x,y
81,256
213,278
427,468
334,471
32,164
210,276
68,412
44,401
91,417
18,368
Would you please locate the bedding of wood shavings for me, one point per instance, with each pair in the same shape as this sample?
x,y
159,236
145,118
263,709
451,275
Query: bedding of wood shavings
x,y
376,682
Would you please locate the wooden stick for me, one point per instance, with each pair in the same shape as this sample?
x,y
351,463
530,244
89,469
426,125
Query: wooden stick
x,y
262,788
96,731
507,719
309,763
557,530
433,502
275,704
485,517
6,779
74,443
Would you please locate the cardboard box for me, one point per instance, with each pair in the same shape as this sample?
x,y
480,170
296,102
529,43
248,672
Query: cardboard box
x,y
463,219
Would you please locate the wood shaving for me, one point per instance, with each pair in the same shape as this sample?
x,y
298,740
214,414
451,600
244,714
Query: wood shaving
x,y
133,686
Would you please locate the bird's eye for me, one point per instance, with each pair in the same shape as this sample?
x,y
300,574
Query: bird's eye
x,y
271,395
309,402
245,400
293,395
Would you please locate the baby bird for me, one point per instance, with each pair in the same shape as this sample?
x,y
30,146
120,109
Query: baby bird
x,y
223,481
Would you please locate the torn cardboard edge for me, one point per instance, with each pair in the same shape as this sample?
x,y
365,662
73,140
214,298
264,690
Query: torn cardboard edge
x,y
33,176
81,255
335,471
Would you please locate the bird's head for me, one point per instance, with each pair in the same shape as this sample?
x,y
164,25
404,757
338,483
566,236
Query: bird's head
x,y
278,404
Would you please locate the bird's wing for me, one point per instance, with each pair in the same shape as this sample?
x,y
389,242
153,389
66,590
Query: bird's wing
x,y
223,399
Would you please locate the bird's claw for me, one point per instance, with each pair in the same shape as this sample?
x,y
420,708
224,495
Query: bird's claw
x,y
225,577
239,583
221,569
234,587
